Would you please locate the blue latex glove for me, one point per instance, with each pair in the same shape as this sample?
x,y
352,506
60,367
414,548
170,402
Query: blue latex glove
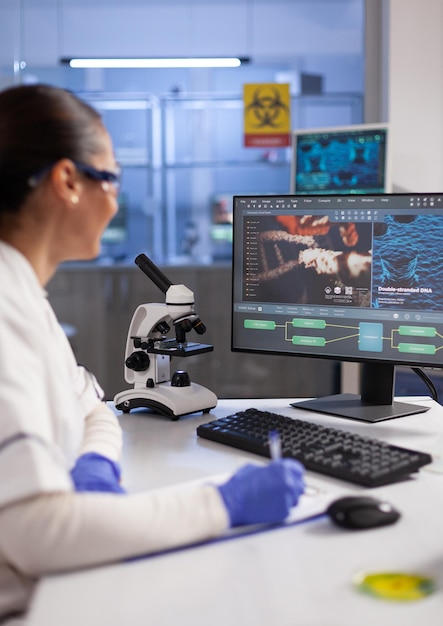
x,y
93,472
257,495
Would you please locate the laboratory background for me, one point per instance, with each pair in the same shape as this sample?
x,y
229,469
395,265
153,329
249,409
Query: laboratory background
x,y
178,135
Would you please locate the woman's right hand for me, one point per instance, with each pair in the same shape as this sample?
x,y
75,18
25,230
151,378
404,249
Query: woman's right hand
x,y
263,494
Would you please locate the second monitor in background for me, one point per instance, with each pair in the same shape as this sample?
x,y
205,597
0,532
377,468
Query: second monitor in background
x,y
341,160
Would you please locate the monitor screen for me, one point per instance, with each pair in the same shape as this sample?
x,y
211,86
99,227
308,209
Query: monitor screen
x,y
351,278
340,160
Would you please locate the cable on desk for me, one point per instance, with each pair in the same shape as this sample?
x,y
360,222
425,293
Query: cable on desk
x,y
428,382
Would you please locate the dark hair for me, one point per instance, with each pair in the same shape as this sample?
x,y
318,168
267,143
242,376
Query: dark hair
x,y
39,125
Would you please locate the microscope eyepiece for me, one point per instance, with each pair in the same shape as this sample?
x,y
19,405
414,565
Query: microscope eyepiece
x,y
153,272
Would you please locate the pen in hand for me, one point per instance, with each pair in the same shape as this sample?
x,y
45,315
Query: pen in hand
x,y
275,451
275,445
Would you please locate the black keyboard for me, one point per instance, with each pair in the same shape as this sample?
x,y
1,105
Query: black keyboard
x,y
331,451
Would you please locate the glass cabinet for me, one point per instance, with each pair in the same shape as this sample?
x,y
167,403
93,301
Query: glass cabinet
x,y
183,159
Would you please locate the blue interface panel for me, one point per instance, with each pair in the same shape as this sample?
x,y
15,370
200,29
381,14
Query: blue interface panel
x,y
342,160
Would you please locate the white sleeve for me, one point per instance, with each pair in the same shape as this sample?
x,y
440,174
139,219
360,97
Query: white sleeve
x,y
59,532
102,433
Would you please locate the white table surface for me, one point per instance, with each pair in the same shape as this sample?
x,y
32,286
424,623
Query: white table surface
x,y
298,575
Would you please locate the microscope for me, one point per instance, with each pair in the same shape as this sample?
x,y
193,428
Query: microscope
x,y
149,352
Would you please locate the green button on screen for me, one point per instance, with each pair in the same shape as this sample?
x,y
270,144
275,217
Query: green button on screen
x,y
416,348
318,342
417,331
302,323
260,324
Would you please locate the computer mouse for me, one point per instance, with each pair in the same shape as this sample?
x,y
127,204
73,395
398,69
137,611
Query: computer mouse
x,y
361,512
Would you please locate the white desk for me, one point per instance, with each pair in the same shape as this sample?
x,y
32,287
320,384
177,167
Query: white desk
x,y
291,576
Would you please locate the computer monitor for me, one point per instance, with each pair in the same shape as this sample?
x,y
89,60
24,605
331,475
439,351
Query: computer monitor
x,y
341,160
354,278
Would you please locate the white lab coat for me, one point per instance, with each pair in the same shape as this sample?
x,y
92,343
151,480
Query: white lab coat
x,y
44,395
49,412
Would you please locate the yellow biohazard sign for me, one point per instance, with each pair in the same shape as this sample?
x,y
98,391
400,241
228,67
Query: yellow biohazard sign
x,y
267,115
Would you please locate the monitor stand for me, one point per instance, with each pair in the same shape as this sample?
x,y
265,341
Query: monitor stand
x,y
375,403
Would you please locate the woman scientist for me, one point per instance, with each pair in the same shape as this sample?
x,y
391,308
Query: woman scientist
x,y
61,503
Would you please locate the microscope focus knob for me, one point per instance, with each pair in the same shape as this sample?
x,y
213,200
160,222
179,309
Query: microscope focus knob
x,y
137,361
180,378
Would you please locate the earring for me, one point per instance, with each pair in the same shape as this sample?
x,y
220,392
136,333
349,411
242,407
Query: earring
x,y
74,199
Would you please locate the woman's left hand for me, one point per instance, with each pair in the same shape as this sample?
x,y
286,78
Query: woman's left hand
x,y
94,472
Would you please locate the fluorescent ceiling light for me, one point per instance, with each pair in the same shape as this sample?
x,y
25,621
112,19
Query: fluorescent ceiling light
x,y
156,63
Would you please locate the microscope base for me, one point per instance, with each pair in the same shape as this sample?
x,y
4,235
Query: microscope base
x,y
167,400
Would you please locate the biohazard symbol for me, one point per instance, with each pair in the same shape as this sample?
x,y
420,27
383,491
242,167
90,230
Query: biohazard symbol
x,y
267,107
